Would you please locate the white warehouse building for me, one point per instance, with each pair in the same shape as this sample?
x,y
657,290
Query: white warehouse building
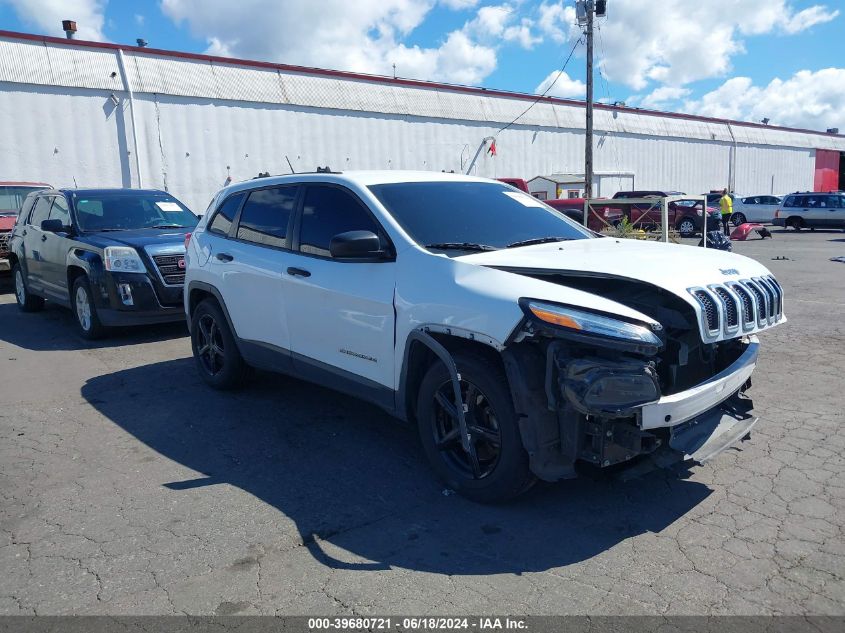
x,y
93,114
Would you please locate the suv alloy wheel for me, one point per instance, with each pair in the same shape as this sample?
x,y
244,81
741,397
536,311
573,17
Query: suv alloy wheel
x,y
84,310
216,354
495,468
26,302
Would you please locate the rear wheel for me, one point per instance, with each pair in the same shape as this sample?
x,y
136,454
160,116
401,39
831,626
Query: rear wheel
x,y
218,360
686,227
27,301
795,223
493,467
82,302
738,218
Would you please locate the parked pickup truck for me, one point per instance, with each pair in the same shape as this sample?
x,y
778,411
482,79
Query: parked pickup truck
x,y
598,219
519,350
12,195
686,216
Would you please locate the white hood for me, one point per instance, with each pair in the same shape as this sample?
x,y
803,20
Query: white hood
x,y
674,267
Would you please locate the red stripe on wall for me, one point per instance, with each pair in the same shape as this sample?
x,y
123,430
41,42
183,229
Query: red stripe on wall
x,y
827,170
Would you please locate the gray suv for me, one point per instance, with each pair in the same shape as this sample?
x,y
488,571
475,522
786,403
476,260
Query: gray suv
x,y
811,210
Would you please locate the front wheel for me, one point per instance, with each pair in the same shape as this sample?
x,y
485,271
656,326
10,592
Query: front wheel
x,y
737,219
87,322
493,466
686,227
27,301
217,358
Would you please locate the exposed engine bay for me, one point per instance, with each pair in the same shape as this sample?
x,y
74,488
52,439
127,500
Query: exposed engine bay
x,y
593,394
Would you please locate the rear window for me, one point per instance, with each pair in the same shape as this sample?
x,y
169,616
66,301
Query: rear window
x,y
11,198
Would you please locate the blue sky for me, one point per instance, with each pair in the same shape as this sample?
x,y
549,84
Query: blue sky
x,y
718,57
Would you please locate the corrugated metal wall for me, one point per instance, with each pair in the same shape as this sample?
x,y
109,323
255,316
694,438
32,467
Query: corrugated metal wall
x,y
199,122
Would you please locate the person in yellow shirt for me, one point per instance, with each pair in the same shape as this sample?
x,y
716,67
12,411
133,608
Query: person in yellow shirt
x,y
727,205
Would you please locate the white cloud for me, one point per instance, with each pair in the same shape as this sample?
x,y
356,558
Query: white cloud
x,y
459,5
675,42
814,100
660,98
364,36
564,86
47,16
557,20
500,22
139,19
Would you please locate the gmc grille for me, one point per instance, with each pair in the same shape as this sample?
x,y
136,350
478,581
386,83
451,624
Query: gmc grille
x,y
738,306
169,269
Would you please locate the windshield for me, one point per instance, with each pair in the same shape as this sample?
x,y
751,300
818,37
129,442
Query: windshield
x,y
11,198
127,210
475,215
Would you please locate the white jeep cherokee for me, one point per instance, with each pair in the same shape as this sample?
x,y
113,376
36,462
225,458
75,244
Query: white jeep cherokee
x,y
518,342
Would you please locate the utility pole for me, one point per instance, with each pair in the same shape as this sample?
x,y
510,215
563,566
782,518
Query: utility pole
x,y
588,141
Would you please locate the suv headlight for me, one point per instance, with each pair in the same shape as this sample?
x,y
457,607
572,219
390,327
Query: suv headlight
x,y
588,324
123,259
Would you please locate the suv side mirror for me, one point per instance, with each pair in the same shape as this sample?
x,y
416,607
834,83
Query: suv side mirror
x,y
53,226
356,245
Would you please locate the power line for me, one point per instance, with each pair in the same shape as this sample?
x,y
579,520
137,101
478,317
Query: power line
x,y
546,91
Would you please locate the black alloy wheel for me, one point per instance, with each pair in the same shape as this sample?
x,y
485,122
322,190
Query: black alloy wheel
x,y
216,354
489,464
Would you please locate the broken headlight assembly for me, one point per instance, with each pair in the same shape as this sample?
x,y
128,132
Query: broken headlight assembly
x,y
594,328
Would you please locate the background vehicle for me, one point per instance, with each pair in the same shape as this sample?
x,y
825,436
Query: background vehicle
x,y
519,183
684,215
574,210
114,256
12,195
517,348
754,209
811,210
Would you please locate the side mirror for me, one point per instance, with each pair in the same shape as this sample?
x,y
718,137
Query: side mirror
x,y
53,226
356,245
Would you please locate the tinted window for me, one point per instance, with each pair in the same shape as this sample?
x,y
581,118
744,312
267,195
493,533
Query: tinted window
x,y
124,210
59,210
791,201
41,211
265,216
11,198
326,212
475,212
224,217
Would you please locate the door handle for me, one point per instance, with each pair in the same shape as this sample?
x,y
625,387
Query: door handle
x,y
224,257
298,272
43,238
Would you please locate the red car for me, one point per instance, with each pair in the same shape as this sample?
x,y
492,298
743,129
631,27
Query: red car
x,y
519,183
12,195
573,208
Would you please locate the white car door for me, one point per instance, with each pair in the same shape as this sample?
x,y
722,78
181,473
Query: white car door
x,y
249,254
340,312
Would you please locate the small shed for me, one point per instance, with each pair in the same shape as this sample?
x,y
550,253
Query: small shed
x,y
554,186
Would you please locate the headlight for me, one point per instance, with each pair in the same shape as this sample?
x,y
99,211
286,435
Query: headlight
x,y
588,323
699,212
123,259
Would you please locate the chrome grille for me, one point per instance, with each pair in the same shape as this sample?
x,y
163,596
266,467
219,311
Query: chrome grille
x,y
5,236
736,307
168,267
711,311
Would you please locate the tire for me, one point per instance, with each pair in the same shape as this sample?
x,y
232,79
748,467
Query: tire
x,y
216,355
84,311
686,227
795,223
26,301
502,472
738,218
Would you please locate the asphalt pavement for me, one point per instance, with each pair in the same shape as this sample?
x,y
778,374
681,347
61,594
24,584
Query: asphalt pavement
x,y
128,487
